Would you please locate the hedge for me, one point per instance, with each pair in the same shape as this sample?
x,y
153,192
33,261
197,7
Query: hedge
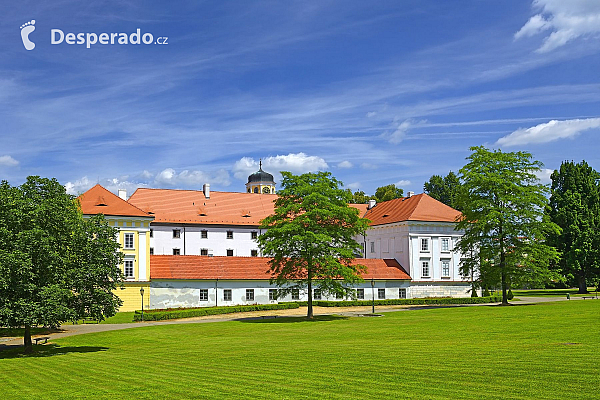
x,y
175,313
389,302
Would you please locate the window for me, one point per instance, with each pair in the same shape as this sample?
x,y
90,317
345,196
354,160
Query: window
x,y
372,247
445,244
151,232
204,234
424,244
254,253
176,233
128,240
176,252
203,252
446,268
227,294
129,268
317,294
256,189
381,293
295,294
272,294
425,269
203,294
229,234
249,294
402,293
151,250
360,294
253,235
229,252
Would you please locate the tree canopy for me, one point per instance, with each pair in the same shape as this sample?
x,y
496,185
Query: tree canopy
x,y
444,188
388,192
575,207
55,266
503,206
310,237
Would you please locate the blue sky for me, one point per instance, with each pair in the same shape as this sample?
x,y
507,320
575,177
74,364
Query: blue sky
x,y
375,92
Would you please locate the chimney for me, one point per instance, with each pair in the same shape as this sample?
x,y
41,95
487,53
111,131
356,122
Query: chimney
x,y
410,194
206,190
123,194
371,204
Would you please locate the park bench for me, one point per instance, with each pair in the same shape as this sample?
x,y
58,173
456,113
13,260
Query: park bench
x,y
588,297
39,339
90,320
268,316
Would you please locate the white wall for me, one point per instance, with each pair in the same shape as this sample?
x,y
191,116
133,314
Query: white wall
x,y
217,243
186,293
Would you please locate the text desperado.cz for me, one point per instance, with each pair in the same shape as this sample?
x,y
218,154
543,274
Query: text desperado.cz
x,y
57,37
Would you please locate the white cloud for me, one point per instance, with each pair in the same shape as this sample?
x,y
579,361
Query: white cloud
x,y
371,114
548,132
186,178
8,161
402,182
400,133
567,20
112,184
345,164
353,186
544,175
368,166
297,163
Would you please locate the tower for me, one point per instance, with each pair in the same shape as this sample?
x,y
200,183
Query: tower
x,y
260,182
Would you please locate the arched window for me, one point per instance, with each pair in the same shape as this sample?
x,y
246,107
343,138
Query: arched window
x,y
249,191
256,189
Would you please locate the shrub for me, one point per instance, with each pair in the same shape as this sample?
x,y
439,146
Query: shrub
x,y
176,313
474,292
420,301
486,293
510,295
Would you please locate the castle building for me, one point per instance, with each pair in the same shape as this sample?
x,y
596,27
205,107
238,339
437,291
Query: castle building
x,y
194,248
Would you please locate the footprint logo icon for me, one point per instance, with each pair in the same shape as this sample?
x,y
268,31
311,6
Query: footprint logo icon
x,y
26,29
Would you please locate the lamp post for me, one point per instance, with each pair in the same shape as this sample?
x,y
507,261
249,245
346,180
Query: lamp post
x,y
373,293
142,294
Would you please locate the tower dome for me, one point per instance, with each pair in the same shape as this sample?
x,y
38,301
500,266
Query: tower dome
x,y
260,182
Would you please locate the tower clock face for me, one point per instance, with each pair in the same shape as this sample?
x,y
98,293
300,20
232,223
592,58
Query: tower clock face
x,y
266,190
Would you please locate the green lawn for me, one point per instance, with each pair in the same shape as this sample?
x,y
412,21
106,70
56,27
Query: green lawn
x,y
485,352
554,292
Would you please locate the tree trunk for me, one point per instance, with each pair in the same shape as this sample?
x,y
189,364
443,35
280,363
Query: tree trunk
x,y
582,284
309,313
503,268
27,340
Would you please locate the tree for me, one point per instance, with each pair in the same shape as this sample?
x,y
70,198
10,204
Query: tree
x,y
310,237
444,189
575,207
388,192
55,266
359,197
503,206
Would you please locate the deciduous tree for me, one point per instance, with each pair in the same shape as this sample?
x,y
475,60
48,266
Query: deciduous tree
x,y
310,237
54,265
575,207
444,189
503,206
388,192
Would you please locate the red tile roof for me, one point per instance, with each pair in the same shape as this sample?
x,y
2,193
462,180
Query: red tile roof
x,y
190,206
98,200
250,268
420,207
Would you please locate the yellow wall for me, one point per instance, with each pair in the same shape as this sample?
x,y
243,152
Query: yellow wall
x,y
132,299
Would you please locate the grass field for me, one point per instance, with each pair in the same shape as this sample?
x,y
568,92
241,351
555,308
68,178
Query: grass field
x,y
486,352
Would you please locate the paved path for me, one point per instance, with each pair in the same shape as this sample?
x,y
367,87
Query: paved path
x,y
70,330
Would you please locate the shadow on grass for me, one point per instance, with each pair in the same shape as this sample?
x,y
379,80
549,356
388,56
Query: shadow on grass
x,y
286,320
47,350
19,332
